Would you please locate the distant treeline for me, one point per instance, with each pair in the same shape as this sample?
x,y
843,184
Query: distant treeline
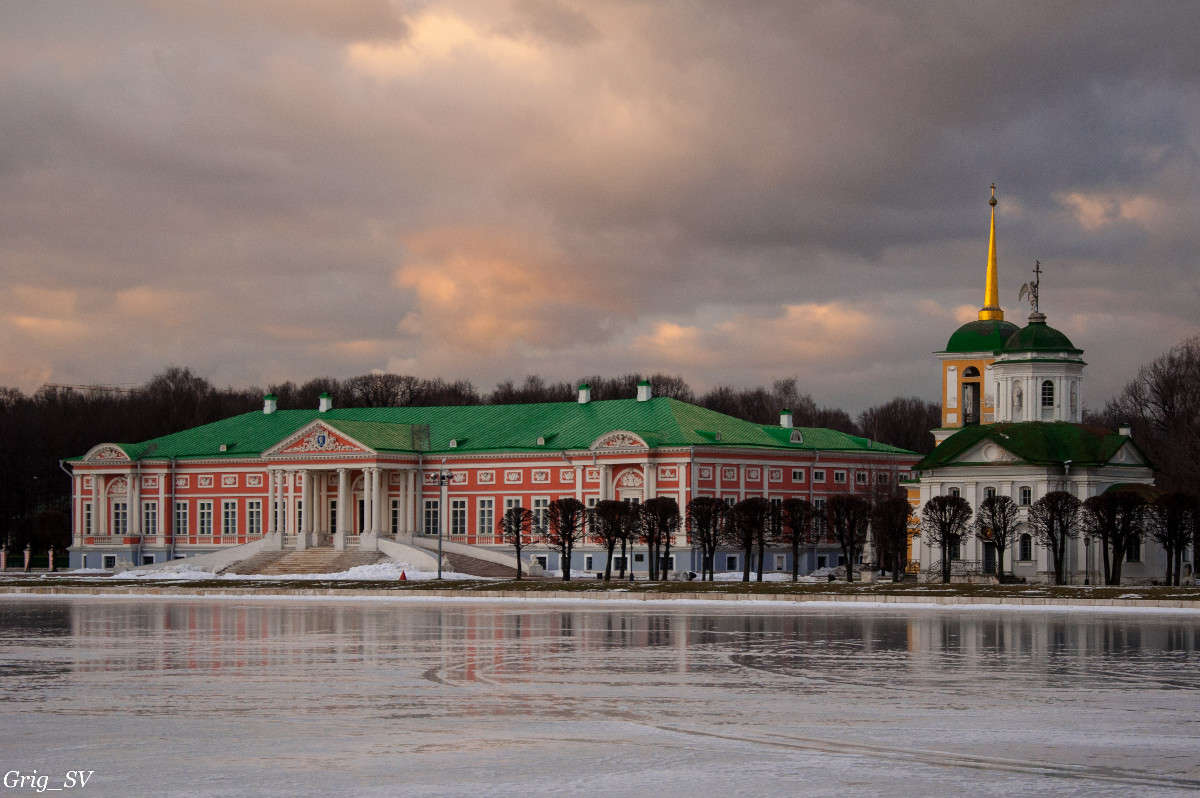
x,y
55,422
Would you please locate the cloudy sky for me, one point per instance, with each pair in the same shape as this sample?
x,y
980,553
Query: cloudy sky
x,y
269,189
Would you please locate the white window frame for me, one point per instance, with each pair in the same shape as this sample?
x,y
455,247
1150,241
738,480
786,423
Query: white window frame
x,y
1022,493
458,516
150,517
861,478
818,475
254,517
108,561
839,477
485,516
394,517
181,518
431,516
731,562
541,510
87,518
229,517
120,518
511,502
798,474
204,518
587,562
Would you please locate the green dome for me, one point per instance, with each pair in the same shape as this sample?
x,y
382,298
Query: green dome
x,y
1038,336
981,336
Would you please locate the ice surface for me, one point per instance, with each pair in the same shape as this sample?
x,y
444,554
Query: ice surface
x,y
385,571
251,697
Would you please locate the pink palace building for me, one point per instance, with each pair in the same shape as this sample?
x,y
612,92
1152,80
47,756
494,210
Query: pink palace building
x,y
389,479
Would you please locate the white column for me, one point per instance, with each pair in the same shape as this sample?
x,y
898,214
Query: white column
x,y
579,483
651,480
100,504
303,512
606,486
742,483
343,508
77,509
290,509
410,502
133,502
162,512
269,504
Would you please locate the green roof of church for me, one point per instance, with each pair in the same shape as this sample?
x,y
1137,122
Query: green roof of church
x,y
562,426
1034,442
981,336
1037,336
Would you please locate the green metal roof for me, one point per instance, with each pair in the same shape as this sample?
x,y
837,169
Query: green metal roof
x,y
1035,442
1037,336
981,336
661,421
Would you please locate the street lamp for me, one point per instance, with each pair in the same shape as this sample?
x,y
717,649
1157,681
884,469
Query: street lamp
x,y
444,478
1087,559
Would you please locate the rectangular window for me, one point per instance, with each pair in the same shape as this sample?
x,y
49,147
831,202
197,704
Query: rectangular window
x,y
587,562
204,511
541,506
431,521
181,518
229,518
541,560
395,517
333,508
881,478
818,475
860,477
120,518
955,546
1133,550
618,563
819,516
458,516
780,562
149,518
590,502
989,493
254,517
953,492
1025,549
639,557
731,562
1026,496
797,475
487,517
822,561
839,477
147,559
108,561
87,518
299,513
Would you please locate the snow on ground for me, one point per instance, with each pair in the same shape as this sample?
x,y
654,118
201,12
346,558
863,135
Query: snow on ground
x,y
379,572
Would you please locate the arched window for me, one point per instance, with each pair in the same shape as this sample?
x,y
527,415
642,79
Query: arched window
x,y
1074,397
1025,549
953,492
970,371
1047,393
1018,400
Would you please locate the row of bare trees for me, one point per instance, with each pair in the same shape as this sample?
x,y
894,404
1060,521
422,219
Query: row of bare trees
x,y
1118,520
751,526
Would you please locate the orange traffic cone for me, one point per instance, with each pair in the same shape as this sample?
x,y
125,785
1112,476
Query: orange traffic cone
x,y
403,576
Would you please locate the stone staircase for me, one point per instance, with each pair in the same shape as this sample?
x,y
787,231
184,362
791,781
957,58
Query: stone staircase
x,y
309,561
463,564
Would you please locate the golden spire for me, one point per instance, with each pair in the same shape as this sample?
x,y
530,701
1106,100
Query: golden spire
x,y
991,295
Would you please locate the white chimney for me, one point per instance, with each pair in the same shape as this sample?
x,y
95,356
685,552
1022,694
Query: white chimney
x,y
324,403
785,418
270,404
585,393
643,391
1125,432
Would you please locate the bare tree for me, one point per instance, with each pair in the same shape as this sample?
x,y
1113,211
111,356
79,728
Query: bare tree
x,y
903,422
516,527
1054,521
744,524
997,523
890,516
1171,519
849,518
706,519
797,529
564,529
608,523
1116,519
1160,404
944,521
660,522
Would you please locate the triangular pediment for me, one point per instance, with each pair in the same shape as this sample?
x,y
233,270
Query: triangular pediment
x,y
317,439
1127,455
986,451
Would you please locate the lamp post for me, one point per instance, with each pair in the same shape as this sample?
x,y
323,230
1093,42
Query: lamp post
x,y
444,478
1087,559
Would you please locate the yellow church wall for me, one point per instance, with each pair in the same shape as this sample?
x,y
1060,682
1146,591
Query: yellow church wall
x,y
987,411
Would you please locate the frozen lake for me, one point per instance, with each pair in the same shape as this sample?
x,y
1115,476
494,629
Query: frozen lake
x,y
248,698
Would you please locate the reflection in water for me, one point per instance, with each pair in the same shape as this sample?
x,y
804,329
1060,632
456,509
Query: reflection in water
x,y
381,683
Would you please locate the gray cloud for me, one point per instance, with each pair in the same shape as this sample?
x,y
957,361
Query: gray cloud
x,y
481,190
